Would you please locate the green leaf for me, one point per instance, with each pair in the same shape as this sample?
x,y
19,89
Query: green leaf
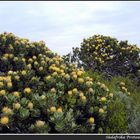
x,y
35,113
24,101
10,98
24,113
73,101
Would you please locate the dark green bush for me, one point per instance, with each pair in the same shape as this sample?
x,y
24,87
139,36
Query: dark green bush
x,y
107,55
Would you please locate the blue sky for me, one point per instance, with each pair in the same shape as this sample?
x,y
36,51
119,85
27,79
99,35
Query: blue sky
x,y
63,25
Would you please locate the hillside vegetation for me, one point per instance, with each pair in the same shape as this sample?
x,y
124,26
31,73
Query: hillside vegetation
x,y
42,92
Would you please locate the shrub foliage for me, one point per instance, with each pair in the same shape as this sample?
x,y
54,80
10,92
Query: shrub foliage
x,y
108,55
40,93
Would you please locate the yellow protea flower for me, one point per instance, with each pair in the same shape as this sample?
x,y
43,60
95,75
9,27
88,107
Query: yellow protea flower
x,y
73,73
91,120
17,77
40,55
4,120
98,83
124,89
111,94
128,93
79,73
82,69
4,109
62,67
54,74
30,105
40,68
29,66
9,84
90,79
51,67
1,78
54,59
53,109
27,90
17,106
34,57
55,69
8,79
111,57
43,97
7,111
6,55
80,80
39,124
91,90
43,62
57,62
23,59
11,56
81,94
106,89
89,83
14,72
2,92
62,71
16,93
4,58
75,76
1,84
63,74
69,92
35,63
83,98
10,47
103,86
101,110
23,72
103,99
30,60
102,61
122,83
87,78
34,78
67,76
96,58
53,90
59,109
47,77
75,90
15,58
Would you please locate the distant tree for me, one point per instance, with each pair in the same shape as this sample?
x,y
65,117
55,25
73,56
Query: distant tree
x,y
108,55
